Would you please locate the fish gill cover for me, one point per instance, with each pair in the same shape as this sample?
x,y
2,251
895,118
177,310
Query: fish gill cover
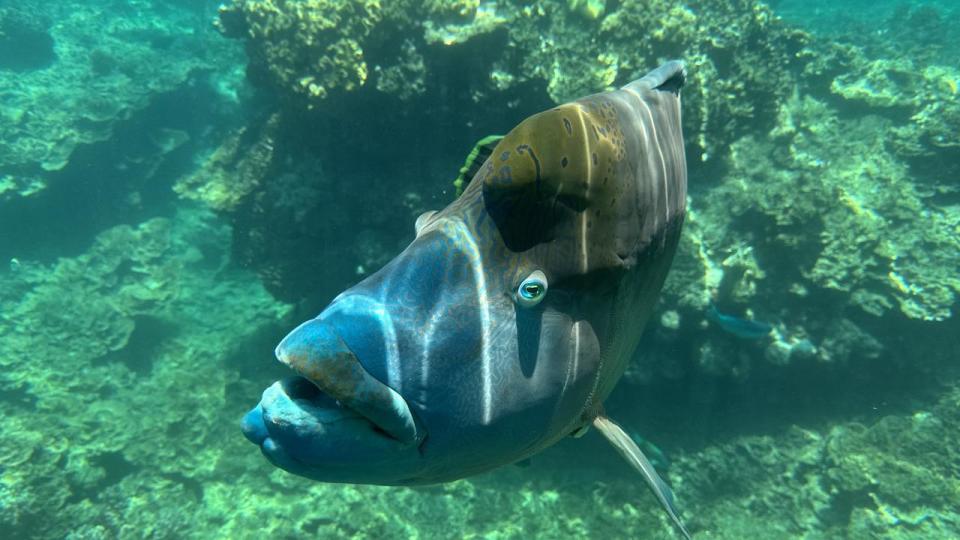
x,y
179,186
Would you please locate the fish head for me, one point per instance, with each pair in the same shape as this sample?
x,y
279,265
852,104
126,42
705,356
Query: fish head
x,y
502,326
448,361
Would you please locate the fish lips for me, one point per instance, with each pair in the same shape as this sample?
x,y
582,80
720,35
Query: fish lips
x,y
306,432
335,422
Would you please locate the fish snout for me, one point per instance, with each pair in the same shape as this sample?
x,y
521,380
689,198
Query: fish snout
x,y
316,351
253,426
334,422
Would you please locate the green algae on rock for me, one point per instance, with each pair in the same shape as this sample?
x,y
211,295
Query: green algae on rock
x,y
235,169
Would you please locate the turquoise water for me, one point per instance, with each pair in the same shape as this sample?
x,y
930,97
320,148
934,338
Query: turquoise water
x,y
180,188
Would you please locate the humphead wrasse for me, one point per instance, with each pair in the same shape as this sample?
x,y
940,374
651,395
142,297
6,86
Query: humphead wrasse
x,y
509,319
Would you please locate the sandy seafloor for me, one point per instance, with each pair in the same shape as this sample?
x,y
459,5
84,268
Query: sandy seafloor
x,y
174,198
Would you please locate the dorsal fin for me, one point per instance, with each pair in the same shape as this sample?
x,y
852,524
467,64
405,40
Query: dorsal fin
x,y
480,152
666,78
423,220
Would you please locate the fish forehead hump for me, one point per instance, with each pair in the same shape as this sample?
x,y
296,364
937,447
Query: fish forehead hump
x,y
590,184
593,193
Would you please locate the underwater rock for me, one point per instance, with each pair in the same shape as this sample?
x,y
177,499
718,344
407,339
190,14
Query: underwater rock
x,y
310,48
745,58
235,169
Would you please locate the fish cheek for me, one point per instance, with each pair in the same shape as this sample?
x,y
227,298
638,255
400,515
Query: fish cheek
x,y
529,322
581,373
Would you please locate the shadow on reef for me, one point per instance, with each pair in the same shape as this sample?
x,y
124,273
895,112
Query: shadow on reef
x,y
25,42
143,344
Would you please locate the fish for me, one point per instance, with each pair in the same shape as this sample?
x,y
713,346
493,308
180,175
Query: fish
x,y
738,326
508,320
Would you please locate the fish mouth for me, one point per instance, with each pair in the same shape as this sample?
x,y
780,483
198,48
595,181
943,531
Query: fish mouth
x,y
332,417
296,403
298,427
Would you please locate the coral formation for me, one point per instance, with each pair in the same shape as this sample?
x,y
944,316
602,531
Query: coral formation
x,y
235,169
862,210
106,66
575,48
94,349
311,47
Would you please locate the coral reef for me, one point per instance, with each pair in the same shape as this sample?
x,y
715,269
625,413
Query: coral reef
x,y
833,221
235,169
863,210
888,479
101,358
743,59
69,83
823,204
926,96
311,47
130,92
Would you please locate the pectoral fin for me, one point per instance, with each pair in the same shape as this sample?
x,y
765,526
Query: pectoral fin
x,y
631,452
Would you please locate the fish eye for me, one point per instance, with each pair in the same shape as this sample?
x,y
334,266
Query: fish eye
x,y
532,289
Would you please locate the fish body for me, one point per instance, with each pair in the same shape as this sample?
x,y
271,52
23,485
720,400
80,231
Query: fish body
x,y
511,316
738,326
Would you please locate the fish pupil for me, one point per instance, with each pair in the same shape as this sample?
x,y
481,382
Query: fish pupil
x,y
532,290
